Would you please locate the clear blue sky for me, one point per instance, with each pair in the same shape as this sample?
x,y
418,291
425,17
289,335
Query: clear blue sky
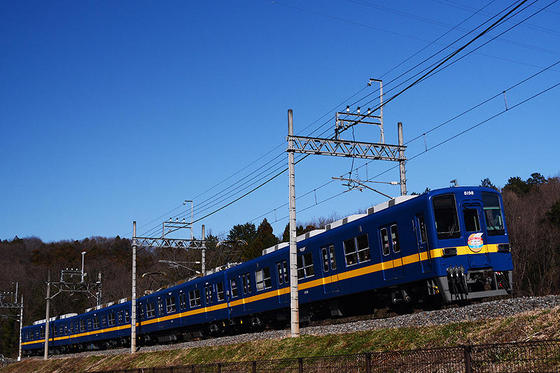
x,y
113,111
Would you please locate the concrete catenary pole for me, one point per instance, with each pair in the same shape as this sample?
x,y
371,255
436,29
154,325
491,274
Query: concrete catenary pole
x,y
47,316
294,302
20,327
402,162
83,260
133,298
203,259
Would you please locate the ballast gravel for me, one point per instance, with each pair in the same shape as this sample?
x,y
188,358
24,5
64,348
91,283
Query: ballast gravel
x,y
473,312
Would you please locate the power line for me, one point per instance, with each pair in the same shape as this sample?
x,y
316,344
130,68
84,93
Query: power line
x,y
440,143
432,129
418,80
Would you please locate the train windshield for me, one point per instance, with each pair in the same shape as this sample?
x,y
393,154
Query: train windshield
x,y
445,212
493,214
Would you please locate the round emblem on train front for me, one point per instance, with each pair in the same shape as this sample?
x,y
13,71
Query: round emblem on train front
x,y
475,242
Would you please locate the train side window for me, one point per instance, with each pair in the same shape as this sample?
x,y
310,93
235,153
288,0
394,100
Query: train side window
x,y
208,294
493,214
103,322
170,304
332,257
445,211
305,266
329,260
160,306
385,241
82,325
262,278
89,324
194,298
141,313
472,224
42,333
246,280
423,231
220,291
120,317
150,310
325,257
233,287
126,316
363,248
356,250
350,252
395,238
111,318
282,268
95,322
182,300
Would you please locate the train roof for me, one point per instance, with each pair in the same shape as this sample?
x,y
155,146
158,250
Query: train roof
x,y
338,223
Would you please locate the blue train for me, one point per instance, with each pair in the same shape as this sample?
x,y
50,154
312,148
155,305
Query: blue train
x,y
445,245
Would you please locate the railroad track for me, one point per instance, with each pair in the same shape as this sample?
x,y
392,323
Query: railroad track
x,y
471,312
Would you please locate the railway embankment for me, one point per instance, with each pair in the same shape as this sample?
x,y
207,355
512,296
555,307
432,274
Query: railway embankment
x,y
507,320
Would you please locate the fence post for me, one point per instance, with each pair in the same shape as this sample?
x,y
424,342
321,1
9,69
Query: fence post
x,y
368,362
219,367
254,367
300,363
192,368
467,353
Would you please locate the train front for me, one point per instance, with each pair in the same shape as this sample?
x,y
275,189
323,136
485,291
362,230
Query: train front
x,y
472,254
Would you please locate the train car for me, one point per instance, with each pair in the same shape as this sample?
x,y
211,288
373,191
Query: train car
x,y
443,246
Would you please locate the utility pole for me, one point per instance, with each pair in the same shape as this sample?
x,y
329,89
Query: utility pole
x,y
402,160
133,298
338,147
294,299
203,259
20,328
158,242
47,316
9,302
68,284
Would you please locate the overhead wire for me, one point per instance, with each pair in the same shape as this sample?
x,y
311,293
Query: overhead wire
x,y
432,129
448,139
279,173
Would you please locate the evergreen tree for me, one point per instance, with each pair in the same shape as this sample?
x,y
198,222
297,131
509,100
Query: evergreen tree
x,y
517,185
242,232
264,238
487,184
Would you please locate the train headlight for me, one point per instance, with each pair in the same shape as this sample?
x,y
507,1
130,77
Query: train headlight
x,y
449,251
504,248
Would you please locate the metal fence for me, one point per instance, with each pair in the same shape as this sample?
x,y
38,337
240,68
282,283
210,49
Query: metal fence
x,y
538,356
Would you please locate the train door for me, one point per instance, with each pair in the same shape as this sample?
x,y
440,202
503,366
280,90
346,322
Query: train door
x,y
472,216
422,243
328,269
391,257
